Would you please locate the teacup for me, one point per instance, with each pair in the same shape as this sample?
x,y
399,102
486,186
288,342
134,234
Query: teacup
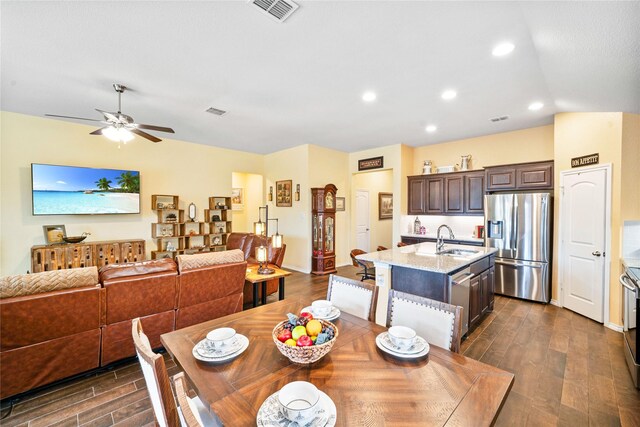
x,y
402,336
298,401
221,337
321,307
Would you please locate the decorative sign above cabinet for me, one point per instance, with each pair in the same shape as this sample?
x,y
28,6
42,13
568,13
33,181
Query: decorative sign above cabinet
x,y
591,159
372,163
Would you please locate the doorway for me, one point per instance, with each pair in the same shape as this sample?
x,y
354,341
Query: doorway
x,y
363,228
370,229
585,211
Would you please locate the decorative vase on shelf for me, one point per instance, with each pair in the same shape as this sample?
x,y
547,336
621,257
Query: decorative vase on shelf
x,y
426,168
417,225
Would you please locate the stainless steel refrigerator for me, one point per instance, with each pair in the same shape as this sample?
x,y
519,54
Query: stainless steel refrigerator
x,y
519,226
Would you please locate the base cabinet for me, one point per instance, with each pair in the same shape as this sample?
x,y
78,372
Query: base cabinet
x,y
481,296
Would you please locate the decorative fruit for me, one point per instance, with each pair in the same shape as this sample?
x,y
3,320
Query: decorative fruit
x,y
290,342
284,335
306,314
298,331
314,327
304,341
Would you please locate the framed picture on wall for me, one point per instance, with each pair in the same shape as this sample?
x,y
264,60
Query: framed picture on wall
x,y
340,201
237,199
385,205
54,234
283,193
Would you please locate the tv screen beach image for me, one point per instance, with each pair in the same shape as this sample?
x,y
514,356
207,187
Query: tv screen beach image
x,y
68,190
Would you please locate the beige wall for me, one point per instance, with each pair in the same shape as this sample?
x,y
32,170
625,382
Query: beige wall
x,y
192,171
526,145
376,182
630,209
578,134
253,187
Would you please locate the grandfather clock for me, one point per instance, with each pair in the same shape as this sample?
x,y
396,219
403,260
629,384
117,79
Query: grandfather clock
x,y
323,229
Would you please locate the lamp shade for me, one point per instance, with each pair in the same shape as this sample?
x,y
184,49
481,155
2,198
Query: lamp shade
x,y
259,228
276,241
117,134
261,254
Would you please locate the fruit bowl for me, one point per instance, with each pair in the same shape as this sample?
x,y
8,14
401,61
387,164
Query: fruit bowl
x,y
74,239
304,355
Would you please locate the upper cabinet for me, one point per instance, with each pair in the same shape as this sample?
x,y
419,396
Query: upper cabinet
x,y
523,176
474,193
456,193
417,192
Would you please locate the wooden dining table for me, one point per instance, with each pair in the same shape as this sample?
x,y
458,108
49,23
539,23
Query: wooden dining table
x,y
368,386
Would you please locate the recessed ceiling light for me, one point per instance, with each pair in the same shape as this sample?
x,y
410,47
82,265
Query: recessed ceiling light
x,y
449,94
431,128
503,49
535,106
369,96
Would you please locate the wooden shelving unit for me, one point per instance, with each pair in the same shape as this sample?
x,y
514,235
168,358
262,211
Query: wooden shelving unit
x,y
85,254
188,237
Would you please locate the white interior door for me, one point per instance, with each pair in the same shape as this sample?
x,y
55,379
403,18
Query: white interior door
x,y
583,232
363,232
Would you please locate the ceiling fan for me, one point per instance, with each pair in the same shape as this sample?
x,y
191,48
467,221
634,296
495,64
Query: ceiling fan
x,y
120,127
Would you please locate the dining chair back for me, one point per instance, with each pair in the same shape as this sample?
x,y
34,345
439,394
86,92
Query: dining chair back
x,y
191,412
401,244
368,269
381,248
353,296
437,322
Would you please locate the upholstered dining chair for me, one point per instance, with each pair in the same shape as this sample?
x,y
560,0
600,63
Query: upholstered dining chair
x,y
368,270
353,296
437,322
191,412
381,248
401,244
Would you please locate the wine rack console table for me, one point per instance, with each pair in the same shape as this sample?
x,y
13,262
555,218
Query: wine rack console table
x,y
85,254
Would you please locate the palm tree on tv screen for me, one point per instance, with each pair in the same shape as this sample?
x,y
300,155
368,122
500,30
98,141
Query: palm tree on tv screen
x,y
103,184
129,183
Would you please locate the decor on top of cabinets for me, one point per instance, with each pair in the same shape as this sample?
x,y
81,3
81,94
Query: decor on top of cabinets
x,y
283,193
465,162
426,168
237,199
385,205
323,214
54,234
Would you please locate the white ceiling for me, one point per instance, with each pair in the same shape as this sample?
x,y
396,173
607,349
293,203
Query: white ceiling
x,y
301,81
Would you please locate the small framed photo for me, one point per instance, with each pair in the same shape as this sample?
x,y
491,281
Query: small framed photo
x,y
340,201
54,234
237,199
385,205
283,193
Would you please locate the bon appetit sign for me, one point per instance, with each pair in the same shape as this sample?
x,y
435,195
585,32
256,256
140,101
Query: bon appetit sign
x,y
591,159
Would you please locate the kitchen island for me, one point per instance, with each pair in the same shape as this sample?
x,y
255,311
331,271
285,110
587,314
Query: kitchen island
x,y
458,274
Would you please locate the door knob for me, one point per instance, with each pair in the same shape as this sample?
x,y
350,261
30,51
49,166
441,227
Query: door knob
x,y
596,253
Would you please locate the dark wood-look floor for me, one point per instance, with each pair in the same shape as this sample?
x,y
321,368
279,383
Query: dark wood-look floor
x,y
569,371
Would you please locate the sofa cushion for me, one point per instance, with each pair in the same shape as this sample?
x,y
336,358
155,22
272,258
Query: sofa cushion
x,y
113,271
236,241
29,284
191,262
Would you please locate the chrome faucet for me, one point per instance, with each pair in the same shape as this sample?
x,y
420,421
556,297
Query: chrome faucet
x,y
440,239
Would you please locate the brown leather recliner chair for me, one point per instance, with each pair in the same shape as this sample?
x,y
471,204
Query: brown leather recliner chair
x,y
147,290
49,327
247,243
209,286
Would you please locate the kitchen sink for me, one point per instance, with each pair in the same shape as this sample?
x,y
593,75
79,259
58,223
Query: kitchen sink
x,y
459,252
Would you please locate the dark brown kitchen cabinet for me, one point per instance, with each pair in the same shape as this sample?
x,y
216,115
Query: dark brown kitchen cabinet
x,y
474,300
453,194
474,193
487,280
522,176
417,193
435,197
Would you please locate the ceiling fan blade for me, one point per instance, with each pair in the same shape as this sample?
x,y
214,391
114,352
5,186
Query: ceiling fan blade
x,y
109,116
153,127
71,117
98,131
146,135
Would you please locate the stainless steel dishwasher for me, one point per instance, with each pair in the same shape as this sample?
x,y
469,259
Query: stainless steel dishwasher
x,y
459,289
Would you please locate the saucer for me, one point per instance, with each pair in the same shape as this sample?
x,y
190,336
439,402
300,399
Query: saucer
x,y
269,414
206,348
202,353
334,314
418,346
382,347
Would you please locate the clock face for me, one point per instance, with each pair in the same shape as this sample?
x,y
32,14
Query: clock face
x,y
328,201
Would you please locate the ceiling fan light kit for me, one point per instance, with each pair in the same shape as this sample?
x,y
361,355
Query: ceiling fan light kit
x,y
120,127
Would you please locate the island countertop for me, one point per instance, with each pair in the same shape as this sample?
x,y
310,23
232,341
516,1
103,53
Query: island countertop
x,y
422,256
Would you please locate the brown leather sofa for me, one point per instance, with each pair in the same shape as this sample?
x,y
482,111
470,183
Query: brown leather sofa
x,y
247,243
147,290
49,327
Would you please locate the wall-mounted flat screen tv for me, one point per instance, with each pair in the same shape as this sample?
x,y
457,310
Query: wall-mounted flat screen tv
x,y
71,190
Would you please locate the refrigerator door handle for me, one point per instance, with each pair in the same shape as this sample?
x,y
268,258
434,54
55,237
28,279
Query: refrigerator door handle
x,y
514,224
520,264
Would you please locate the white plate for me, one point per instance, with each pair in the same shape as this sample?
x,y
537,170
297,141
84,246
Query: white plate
x,y
335,313
401,355
206,349
269,414
418,346
243,344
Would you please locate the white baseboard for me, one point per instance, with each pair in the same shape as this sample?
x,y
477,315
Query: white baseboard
x,y
614,327
555,302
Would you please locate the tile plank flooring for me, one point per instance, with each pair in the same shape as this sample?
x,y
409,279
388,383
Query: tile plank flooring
x,y
570,371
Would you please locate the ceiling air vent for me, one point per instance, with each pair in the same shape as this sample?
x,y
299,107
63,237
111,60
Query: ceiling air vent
x,y
499,119
215,111
276,9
